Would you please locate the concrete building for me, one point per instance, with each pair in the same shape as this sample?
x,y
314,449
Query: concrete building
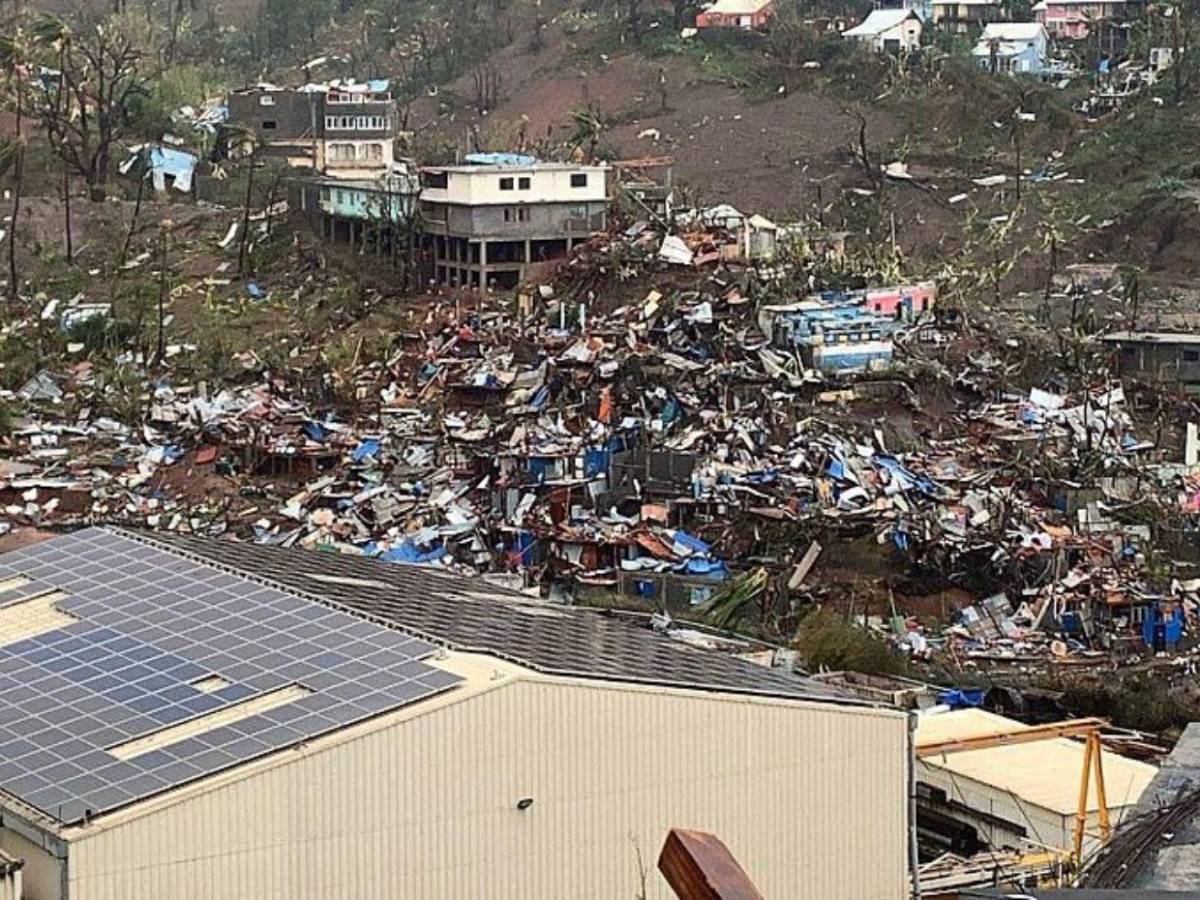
x,y
1158,356
1020,797
1016,48
961,16
1074,19
186,718
888,31
744,14
488,221
340,130
358,211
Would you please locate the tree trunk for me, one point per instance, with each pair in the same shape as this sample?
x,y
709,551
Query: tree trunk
x,y
246,215
137,208
160,349
66,179
18,173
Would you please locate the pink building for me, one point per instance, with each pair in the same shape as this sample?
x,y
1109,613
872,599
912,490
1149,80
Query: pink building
x,y
1072,19
889,301
747,14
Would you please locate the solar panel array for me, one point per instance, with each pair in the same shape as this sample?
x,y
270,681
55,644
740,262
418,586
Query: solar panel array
x,y
151,624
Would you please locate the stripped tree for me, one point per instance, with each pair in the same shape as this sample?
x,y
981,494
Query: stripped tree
x,y
89,113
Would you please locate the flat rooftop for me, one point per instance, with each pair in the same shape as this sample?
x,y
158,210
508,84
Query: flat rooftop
x,y
1150,337
494,168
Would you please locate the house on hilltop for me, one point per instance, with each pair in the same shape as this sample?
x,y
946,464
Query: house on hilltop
x,y
745,14
888,31
1017,48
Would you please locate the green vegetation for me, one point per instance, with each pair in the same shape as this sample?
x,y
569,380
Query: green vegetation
x,y
827,641
1141,703
1149,149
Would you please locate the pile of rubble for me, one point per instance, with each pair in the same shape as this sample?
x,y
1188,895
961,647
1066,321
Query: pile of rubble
x,y
633,426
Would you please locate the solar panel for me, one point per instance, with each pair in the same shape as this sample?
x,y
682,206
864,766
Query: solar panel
x,y
150,624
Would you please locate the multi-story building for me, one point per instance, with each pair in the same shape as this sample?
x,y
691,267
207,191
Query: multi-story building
x,y
1074,19
340,130
961,16
358,210
488,221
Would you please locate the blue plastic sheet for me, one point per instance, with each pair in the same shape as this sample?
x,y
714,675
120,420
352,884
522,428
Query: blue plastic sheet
x,y
961,699
595,462
407,553
367,448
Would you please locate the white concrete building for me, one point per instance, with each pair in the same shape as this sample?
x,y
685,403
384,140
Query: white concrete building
x,y
489,221
368,730
888,31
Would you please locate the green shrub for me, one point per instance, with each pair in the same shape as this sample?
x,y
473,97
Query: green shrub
x,y
828,641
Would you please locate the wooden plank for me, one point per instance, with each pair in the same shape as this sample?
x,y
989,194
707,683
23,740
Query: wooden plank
x,y
698,866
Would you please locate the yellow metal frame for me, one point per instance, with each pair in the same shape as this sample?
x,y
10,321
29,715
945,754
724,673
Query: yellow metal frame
x,y
1088,729
1092,759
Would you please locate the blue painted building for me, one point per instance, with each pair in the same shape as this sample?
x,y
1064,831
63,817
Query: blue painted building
x,y
833,334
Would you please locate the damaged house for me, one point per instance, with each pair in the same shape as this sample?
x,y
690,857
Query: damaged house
x,y
342,130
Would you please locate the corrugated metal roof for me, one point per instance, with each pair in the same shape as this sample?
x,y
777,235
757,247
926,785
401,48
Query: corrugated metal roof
x,y
738,7
879,21
1042,773
1151,337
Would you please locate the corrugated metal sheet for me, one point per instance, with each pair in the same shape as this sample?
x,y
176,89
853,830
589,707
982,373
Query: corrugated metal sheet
x,y
39,876
10,877
809,797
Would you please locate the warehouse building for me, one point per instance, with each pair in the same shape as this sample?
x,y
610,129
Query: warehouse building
x,y
188,718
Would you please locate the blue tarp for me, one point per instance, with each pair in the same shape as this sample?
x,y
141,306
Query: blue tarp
x,y
689,543
255,291
905,478
523,547
537,466
1171,626
176,163
766,476
367,448
961,699
709,568
595,462
408,553
314,432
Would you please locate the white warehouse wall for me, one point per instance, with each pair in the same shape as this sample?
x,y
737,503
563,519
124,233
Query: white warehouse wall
x,y
811,798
